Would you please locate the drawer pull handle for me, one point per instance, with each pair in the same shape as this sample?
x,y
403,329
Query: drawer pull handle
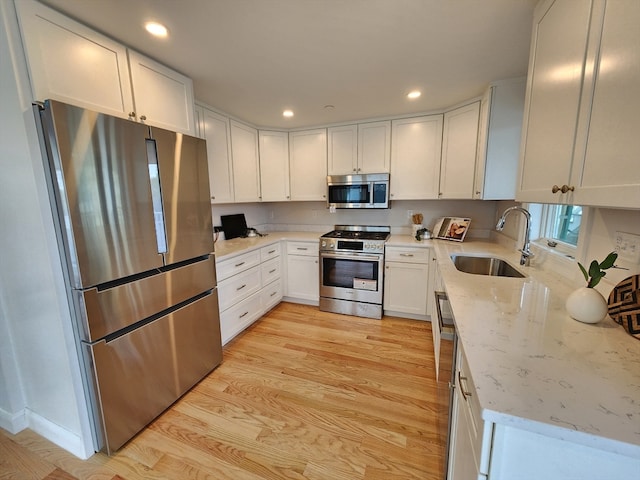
x,y
465,393
272,271
406,254
271,251
273,294
241,287
244,314
302,248
240,264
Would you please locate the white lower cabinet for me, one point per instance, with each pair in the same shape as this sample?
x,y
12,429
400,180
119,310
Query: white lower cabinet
x,y
303,275
480,449
406,281
249,285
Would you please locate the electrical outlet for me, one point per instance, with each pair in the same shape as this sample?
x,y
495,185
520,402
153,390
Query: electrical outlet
x,y
628,247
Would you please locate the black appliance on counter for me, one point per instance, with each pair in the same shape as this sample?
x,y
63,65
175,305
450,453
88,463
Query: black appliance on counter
x,y
351,270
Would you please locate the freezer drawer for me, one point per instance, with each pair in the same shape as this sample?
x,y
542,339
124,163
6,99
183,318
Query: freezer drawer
x,y
112,309
140,374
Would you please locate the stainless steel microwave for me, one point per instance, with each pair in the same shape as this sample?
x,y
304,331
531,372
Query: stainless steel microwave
x,y
358,191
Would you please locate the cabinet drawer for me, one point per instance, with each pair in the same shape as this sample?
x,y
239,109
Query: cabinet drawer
x,y
238,287
270,251
469,405
303,248
228,267
270,271
407,254
239,317
271,295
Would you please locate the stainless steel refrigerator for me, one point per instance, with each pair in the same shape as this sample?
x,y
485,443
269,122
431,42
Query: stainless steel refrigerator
x,y
133,220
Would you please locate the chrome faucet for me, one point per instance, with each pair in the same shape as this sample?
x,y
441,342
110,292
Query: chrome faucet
x,y
526,253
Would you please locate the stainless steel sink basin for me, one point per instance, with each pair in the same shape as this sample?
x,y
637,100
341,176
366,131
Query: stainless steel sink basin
x,y
477,265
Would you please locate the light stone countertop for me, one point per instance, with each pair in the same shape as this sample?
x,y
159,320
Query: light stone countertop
x,y
536,368
235,246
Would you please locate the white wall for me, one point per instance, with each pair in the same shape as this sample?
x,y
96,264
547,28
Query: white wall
x,y
39,373
314,216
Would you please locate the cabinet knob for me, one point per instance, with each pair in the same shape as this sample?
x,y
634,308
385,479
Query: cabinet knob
x,y
132,115
143,118
354,169
555,189
213,198
287,197
567,188
478,192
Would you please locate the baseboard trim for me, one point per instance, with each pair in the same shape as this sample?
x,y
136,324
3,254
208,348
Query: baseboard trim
x,y
62,437
13,422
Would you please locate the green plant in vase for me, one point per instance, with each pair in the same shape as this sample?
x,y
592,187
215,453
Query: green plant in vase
x,y
597,270
586,304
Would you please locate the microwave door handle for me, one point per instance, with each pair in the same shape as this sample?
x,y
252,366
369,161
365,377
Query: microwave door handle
x,y
371,190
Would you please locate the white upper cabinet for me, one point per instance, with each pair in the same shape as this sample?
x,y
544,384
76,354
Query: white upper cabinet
x,y
359,149
499,136
72,63
342,155
374,147
415,157
245,161
308,164
161,96
581,142
459,148
215,129
556,69
274,165
610,141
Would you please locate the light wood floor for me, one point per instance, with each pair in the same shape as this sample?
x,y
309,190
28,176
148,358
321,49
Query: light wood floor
x,y
302,394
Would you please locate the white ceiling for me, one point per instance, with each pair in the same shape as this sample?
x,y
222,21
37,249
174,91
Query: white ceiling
x,y
254,58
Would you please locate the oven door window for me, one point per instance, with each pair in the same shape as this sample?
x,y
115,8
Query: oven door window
x,y
349,193
348,273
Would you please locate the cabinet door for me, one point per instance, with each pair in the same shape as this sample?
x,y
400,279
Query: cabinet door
x,y
72,63
342,154
405,287
162,97
308,164
459,144
611,176
556,68
462,463
215,130
303,280
499,137
246,167
374,147
415,157
274,166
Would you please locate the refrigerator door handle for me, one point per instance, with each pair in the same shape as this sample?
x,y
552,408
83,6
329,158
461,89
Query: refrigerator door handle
x,y
156,195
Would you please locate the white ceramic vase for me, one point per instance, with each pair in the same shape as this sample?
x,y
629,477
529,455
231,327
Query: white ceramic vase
x,y
586,305
415,227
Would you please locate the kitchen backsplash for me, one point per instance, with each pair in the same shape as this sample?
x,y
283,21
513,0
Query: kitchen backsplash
x,y
315,216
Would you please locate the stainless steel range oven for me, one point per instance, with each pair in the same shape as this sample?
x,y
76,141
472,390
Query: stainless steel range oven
x,y
351,270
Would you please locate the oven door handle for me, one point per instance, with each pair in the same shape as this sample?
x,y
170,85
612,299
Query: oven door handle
x,y
351,256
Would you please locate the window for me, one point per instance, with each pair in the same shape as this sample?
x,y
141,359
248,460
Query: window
x,y
558,226
563,223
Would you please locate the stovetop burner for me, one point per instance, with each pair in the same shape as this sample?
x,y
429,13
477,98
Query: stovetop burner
x,y
359,238
356,235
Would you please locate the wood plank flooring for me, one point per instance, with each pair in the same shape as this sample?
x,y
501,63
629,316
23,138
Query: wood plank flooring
x,y
301,394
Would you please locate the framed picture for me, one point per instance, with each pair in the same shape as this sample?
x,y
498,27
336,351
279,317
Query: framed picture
x,y
452,228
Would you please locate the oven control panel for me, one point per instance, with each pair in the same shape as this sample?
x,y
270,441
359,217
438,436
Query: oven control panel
x,y
334,245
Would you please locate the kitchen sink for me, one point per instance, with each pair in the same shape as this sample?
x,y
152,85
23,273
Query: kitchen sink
x,y
478,265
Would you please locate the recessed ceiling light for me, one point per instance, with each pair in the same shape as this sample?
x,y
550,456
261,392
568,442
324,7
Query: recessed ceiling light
x,y
156,29
287,113
413,95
